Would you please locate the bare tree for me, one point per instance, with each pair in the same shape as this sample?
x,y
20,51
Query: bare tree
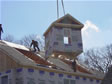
x,y
99,59
26,40
9,38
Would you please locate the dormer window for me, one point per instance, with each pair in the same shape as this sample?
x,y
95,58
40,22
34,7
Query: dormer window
x,y
67,40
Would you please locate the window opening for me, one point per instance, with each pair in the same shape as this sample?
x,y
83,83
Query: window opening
x,y
67,40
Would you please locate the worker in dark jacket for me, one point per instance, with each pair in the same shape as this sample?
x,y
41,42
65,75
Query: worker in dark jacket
x,y
35,45
1,30
74,65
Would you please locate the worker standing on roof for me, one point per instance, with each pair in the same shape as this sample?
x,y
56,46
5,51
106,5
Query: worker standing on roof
x,y
35,45
1,30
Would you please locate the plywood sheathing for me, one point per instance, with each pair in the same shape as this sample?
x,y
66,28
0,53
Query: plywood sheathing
x,y
35,57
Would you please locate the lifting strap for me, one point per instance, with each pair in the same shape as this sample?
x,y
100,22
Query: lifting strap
x,y
58,8
63,7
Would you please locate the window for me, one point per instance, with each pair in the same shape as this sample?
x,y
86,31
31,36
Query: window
x,y
66,41
67,36
4,80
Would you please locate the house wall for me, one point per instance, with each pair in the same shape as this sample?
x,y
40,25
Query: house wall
x,y
75,37
6,62
35,76
49,43
43,77
54,40
11,76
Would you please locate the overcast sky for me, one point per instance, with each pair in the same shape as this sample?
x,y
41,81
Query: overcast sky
x,y
20,18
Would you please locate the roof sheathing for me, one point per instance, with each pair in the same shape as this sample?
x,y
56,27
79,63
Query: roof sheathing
x,y
79,68
39,60
34,57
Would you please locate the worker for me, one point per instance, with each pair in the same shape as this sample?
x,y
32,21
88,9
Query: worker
x,y
35,45
74,65
1,30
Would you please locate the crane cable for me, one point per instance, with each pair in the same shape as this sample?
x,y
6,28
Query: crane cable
x,y
63,7
58,8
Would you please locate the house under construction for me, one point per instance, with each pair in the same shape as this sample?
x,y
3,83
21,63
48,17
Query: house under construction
x,y
63,43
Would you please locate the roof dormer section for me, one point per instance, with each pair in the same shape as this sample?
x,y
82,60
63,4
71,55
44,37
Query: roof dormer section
x,y
68,19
